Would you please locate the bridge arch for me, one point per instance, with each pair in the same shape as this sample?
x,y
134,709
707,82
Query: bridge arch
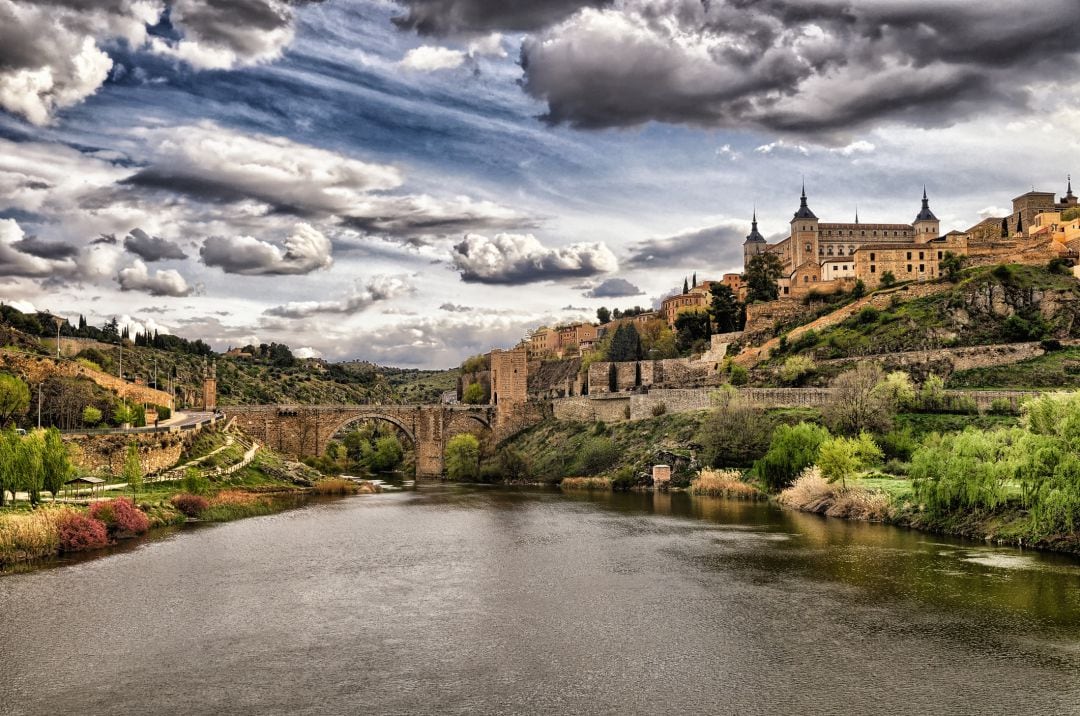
x,y
397,422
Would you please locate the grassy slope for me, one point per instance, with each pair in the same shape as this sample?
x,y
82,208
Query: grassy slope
x,y
930,322
1059,369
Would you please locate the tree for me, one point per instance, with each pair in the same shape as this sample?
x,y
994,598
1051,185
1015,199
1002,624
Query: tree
x,y
29,465
888,279
734,434
625,344
725,311
133,471
793,449
56,463
9,470
91,416
463,457
692,329
898,388
685,286
603,315
122,414
951,265
14,398
473,394
796,369
762,273
857,404
842,458
388,455
657,340
693,281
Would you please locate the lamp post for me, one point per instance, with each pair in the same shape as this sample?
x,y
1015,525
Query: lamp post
x,y
59,322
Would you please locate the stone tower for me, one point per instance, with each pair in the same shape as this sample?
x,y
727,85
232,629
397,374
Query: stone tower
x,y
926,225
804,234
755,243
209,389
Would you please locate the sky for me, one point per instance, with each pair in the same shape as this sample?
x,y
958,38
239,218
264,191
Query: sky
x,y
411,182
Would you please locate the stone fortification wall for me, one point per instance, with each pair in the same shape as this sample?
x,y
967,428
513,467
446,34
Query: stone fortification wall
x,y
555,378
35,369
666,373
944,361
103,455
639,406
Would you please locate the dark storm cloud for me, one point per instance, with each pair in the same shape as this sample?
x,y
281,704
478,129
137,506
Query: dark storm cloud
x,y
448,17
152,248
105,239
54,250
711,247
814,68
614,288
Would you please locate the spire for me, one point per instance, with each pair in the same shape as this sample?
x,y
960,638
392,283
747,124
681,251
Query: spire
x,y
925,214
1069,193
754,237
804,209
856,213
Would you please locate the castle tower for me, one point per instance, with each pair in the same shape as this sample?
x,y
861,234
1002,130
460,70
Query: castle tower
x,y
209,390
804,234
926,225
755,243
1068,201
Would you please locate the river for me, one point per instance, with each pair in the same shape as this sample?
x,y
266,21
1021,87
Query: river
x,y
491,600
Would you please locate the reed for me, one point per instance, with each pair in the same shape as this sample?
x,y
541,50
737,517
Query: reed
x,y
585,483
724,483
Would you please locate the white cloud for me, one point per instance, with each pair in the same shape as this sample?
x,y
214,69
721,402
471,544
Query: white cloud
x,y
167,282
521,258
362,297
305,250
428,58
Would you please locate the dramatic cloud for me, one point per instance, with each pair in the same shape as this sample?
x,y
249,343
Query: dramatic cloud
x,y
15,261
362,297
429,59
449,17
709,247
52,56
614,288
521,258
55,250
304,251
152,248
161,283
813,68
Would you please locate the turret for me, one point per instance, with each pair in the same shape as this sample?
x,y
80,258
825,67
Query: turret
x,y
804,233
926,225
755,243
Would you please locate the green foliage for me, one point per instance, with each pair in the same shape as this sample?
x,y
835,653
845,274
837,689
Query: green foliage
x,y
858,404
473,394
603,315
951,265
859,289
734,434
122,414
793,449
29,452
14,398
625,344
195,482
1030,326
513,465
623,479
898,389
388,454
692,330
738,374
868,315
963,471
132,472
91,416
899,444
55,462
762,273
841,458
724,309
596,456
463,457
888,279
797,369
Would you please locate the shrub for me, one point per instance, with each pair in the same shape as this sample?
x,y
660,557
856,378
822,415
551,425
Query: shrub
x,y
195,482
888,279
79,532
796,369
596,455
513,465
463,457
25,536
724,483
857,403
91,416
734,434
1003,272
335,486
812,493
190,505
792,450
624,479
899,444
659,409
121,516
739,375
868,315
1050,345
234,504
841,458
585,483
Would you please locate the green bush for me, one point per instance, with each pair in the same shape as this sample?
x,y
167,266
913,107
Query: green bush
x,y
596,456
738,375
899,444
793,449
624,479
734,435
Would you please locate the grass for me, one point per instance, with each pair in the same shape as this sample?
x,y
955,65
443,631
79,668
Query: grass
x,y
26,536
897,489
812,493
234,505
724,483
335,486
922,424
585,483
1057,369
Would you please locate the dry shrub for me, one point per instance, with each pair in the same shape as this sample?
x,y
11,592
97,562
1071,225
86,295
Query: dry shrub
x,y
32,535
121,516
79,532
724,483
234,505
234,498
812,493
335,486
368,488
190,505
585,483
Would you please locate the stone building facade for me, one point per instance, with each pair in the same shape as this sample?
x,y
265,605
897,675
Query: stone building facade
x,y
509,376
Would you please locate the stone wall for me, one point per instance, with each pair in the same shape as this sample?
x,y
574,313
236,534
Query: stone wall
x,y
944,361
608,408
35,369
104,455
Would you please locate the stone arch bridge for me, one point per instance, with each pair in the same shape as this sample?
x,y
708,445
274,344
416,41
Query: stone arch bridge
x,y
305,430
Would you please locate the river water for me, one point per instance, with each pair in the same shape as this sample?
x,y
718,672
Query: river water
x,y
482,601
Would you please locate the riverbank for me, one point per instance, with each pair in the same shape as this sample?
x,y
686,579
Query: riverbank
x,y
33,536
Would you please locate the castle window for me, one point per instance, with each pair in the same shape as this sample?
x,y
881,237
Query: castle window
x,y
920,256
909,268
830,251
939,255
909,257
806,279
874,232
809,248
922,268
871,257
873,268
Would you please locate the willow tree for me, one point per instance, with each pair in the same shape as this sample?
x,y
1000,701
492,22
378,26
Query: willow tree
x,y
56,463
